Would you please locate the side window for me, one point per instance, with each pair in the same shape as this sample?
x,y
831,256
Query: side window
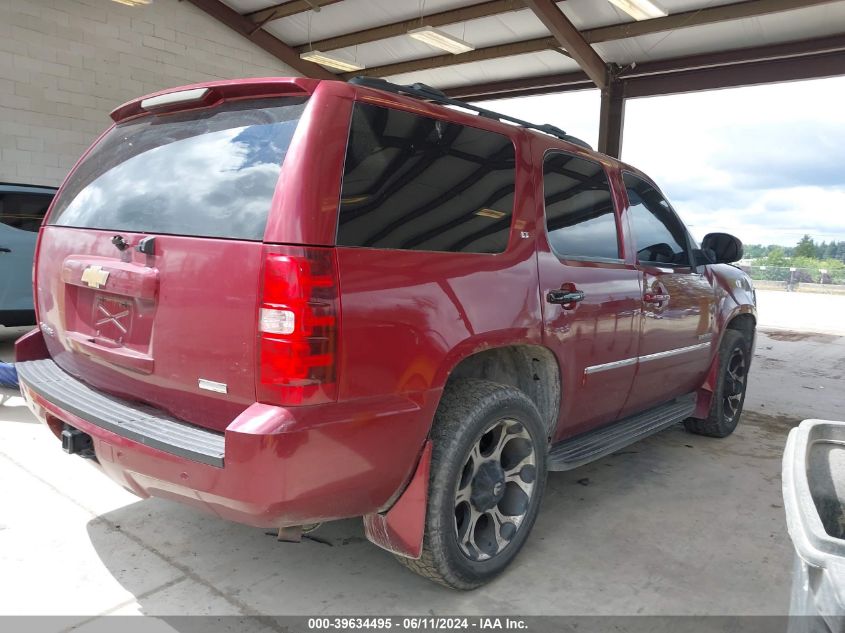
x,y
23,211
659,235
416,183
580,218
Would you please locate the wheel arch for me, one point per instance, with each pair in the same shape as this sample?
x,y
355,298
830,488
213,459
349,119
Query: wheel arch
x,y
744,322
531,368
742,319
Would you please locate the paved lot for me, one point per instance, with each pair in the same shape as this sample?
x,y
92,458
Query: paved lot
x,y
802,311
676,524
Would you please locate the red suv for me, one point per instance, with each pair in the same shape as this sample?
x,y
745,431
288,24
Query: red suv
x,y
287,301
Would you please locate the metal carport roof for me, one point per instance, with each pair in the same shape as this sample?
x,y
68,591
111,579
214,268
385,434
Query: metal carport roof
x,y
524,47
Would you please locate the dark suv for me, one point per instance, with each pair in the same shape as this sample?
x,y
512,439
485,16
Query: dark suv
x,y
287,301
22,209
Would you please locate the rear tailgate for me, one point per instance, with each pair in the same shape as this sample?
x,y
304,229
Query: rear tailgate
x,y
149,269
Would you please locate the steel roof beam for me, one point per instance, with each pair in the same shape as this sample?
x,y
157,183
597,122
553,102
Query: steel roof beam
x,y
287,9
712,15
480,54
444,18
685,19
697,17
822,65
814,56
796,48
570,39
544,84
276,47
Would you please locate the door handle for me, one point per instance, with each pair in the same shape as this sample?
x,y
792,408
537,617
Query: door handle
x,y
656,299
3,249
565,297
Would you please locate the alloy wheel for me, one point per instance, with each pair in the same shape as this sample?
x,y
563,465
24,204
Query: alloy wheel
x,y
495,489
734,383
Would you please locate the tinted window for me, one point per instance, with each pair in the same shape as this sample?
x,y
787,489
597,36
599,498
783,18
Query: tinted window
x,y
659,235
412,182
23,211
208,173
580,217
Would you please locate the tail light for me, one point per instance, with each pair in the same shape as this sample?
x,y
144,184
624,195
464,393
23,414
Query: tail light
x,y
298,325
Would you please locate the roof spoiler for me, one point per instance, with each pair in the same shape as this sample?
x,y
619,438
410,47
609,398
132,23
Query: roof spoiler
x,y
209,94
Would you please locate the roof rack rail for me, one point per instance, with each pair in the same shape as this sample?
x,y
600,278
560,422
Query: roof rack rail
x,y
428,93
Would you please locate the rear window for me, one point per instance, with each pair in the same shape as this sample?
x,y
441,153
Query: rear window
x,y
416,183
209,173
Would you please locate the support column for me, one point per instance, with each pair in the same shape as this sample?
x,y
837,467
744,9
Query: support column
x,y
612,118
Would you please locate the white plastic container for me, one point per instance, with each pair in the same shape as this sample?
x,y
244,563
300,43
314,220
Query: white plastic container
x,y
814,501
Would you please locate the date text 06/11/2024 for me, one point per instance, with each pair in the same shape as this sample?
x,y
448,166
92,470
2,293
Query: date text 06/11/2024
x,y
432,623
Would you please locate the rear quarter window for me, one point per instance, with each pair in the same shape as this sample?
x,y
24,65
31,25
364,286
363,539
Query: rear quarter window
x,y
417,183
209,173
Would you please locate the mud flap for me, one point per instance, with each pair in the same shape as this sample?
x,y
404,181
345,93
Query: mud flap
x,y
704,396
400,529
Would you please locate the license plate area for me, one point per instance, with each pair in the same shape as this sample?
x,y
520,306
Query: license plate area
x,y
112,319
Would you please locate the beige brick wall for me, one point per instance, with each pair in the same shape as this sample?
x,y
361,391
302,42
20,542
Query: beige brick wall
x,y
65,64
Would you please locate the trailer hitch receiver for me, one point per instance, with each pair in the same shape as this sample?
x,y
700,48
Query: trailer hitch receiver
x,y
75,442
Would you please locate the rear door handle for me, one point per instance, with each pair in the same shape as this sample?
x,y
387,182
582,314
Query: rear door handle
x,y
565,297
656,299
3,249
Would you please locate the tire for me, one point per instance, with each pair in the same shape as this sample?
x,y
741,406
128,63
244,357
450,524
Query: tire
x,y
729,396
480,480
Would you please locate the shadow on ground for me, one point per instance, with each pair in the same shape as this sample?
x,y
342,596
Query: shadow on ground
x,y
674,524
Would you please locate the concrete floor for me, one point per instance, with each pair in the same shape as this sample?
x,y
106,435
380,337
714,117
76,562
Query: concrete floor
x,y
676,524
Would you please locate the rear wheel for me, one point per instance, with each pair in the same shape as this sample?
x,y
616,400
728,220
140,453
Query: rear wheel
x,y
488,472
729,396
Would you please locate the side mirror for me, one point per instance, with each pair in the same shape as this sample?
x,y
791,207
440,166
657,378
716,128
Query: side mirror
x,y
724,247
703,257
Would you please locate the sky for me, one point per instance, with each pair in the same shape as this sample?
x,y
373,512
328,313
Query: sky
x,y
766,163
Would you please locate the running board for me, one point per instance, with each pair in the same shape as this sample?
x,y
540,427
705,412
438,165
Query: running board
x,y
593,445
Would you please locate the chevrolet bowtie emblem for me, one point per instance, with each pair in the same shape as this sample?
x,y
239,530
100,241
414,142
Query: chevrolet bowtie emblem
x,y
95,276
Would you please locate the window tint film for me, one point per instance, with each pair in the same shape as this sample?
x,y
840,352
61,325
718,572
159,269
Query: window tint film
x,y
413,182
23,211
659,235
206,173
580,218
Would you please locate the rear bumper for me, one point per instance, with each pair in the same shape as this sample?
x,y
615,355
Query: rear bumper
x,y
279,466
145,426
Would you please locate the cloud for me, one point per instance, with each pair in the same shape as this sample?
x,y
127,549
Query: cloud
x,y
779,216
767,162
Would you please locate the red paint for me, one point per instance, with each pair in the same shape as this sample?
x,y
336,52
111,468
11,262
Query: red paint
x,y
31,346
283,466
218,91
124,278
403,319
199,323
401,528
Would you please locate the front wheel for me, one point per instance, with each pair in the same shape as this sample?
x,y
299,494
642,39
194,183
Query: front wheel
x,y
729,396
488,472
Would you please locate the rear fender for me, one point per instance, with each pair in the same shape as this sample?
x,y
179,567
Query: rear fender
x,y
400,530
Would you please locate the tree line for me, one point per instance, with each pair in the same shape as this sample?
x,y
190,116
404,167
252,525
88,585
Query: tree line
x,y
806,247
809,258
